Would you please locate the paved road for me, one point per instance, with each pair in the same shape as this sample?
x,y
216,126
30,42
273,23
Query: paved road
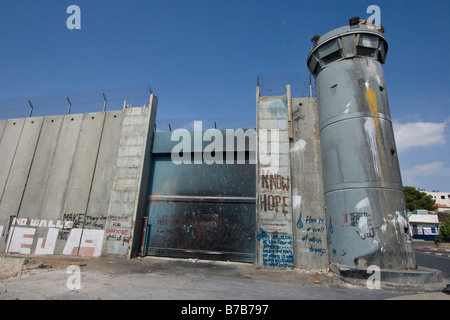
x,y
430,258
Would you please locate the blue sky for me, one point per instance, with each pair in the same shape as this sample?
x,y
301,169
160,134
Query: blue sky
x,y
202,58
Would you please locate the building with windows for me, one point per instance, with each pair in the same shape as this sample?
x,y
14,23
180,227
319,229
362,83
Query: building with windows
x,y
424,226
440,197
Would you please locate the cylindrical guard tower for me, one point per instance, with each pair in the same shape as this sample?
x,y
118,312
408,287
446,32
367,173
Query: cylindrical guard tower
x,y
364,199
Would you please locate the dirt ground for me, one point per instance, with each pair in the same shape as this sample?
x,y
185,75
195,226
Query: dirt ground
x,y
45,277
153,278
16,266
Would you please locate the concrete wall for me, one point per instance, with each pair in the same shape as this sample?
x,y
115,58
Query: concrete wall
x,y
291,221
72,184
310,227
274,210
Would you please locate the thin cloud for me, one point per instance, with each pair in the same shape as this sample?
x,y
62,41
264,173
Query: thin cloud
x,y
419,134
425,174
427,169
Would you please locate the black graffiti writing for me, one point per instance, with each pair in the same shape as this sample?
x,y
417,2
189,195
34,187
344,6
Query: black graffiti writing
x,y
352,218
63,235
312,239
76,218
365,235
310,219
95,222
319,251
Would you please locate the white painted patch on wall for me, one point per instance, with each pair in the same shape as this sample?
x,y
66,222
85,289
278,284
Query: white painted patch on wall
x,y
20,240
373,71
363,225
371,134
364,203
401,220
84,242
376,244
299,146
347,108
296,201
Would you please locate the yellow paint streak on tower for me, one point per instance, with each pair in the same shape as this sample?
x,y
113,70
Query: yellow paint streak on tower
x,y
371,98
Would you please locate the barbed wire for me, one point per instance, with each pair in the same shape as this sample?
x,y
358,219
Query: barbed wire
x,y
274,84
221,123
113,99
75,102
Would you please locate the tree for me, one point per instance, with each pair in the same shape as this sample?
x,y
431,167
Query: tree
x,y
444,233
416,199
444,230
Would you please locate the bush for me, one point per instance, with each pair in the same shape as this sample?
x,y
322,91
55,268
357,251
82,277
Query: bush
x,y
444,232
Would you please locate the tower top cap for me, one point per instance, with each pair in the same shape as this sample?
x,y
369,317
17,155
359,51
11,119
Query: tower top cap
x,y
363,38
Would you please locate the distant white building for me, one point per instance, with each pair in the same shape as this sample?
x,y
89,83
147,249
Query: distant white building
x,y
443,208
440,197
424,226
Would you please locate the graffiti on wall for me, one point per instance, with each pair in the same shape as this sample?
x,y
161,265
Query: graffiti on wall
x,y
314,229
118,228
269,201
362,221
21,235
210,232
276,243
276,249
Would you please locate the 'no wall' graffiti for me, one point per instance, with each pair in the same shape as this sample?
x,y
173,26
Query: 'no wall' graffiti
x,y
83,242
68,237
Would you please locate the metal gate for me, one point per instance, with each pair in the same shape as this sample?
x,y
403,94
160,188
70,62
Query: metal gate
x,y
204,211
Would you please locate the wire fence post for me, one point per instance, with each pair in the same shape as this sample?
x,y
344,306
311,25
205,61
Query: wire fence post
x,y
31,109
104,105
70,105
85,101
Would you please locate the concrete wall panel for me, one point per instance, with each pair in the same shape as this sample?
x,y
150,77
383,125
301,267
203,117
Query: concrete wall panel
x,y
273,190
80,183
128,196
310,225
2,127
18,174
58,181
102,184
142,195
33,197
76,184
84,162
59,176
20,167
8,146
41,168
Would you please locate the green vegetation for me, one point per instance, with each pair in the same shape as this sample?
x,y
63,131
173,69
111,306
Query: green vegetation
x,y
416,199
444,232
